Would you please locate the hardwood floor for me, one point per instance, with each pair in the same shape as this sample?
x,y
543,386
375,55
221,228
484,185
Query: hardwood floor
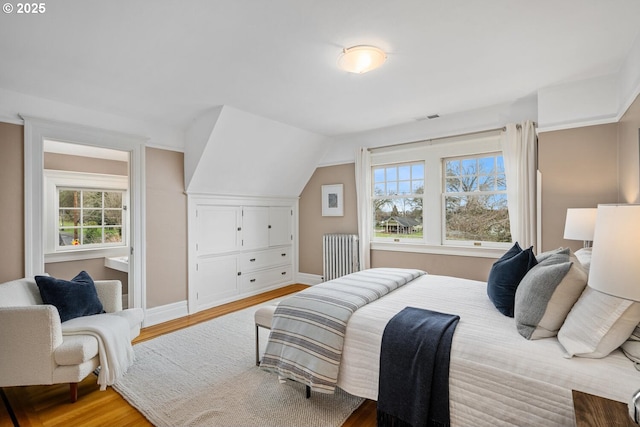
x,y
48,406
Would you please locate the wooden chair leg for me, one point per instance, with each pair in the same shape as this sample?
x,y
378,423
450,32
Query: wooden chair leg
x,y
73,388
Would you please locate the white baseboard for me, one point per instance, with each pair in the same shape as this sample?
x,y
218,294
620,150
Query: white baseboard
x,y
309,279
164,313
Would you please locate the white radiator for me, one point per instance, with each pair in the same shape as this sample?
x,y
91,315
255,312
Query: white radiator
x,y
340,255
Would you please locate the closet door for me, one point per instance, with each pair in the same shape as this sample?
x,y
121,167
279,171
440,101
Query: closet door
x,y
218,229
217,279
255,227
280,225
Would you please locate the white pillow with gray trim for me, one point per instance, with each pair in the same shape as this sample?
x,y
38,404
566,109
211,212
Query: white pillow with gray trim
x,y
598,324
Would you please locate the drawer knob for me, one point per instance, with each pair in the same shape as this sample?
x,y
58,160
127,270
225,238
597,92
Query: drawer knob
x,y
283,254
252,280
252,259
284,273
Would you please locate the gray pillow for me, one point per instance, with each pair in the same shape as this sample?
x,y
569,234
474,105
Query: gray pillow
x,y
536,291
544,255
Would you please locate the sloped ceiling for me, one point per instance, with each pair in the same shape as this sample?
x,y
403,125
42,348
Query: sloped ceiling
x,y
231,152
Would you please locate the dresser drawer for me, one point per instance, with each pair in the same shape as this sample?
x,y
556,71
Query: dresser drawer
x,y
264,259
265,278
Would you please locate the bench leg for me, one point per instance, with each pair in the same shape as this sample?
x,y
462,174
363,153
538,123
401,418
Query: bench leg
x,y
257,345
307,391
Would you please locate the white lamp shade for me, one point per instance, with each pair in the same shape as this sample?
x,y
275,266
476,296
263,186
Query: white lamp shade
x,y
360,59
615,265
580,224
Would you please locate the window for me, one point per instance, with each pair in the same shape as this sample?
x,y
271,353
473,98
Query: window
x,y
446,196
475,200
86,215
397,201
89,217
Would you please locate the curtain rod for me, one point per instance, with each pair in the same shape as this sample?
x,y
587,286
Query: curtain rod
x,y
503,128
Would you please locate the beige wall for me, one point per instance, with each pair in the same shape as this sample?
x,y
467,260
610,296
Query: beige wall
x,y
95,267
166,228
629,154
579,170
474,268
65,162
12,206
313,225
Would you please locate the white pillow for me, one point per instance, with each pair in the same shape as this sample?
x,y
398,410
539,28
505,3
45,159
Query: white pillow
x,y
584,257
598,324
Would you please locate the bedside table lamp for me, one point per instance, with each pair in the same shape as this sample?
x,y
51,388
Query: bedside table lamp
x,y
615,268
580,224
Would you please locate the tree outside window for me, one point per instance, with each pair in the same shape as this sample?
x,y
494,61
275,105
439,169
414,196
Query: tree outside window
x,y
90,217
475,199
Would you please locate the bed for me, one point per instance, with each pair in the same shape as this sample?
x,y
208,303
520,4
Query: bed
x,y
497,378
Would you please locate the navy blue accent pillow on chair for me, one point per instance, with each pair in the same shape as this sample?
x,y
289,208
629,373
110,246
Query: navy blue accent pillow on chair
x,y
505,276
73,298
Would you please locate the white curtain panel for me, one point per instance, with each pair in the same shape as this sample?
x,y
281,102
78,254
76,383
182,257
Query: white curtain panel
x,y
363,194
519,151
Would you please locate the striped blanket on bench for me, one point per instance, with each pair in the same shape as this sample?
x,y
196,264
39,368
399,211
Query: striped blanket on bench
x,y
307,331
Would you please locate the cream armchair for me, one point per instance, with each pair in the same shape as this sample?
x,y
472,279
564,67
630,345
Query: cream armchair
x,y
33,350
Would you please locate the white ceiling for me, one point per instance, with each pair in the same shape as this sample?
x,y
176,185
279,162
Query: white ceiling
x,y
167,61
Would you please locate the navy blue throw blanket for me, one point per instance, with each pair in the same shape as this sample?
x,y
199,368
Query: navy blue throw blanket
x,y
413,388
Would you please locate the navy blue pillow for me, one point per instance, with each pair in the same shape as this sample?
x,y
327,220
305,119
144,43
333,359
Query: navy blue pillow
x,y
505,276
73,298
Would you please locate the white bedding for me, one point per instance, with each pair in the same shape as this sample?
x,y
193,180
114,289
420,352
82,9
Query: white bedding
x,y
497,378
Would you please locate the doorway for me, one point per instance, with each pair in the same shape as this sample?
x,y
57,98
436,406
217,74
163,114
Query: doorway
x,y
86,215
54,145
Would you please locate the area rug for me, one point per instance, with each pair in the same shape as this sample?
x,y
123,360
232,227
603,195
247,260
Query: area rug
x,y
205,375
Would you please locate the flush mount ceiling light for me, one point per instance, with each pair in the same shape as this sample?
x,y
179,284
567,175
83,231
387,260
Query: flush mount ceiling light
x,y
360,59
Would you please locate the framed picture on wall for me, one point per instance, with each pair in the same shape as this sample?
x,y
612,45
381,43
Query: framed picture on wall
x,y
332,200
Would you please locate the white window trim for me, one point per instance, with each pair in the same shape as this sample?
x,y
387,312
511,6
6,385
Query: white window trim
x,y
54,179
36,130
432,153
478,252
